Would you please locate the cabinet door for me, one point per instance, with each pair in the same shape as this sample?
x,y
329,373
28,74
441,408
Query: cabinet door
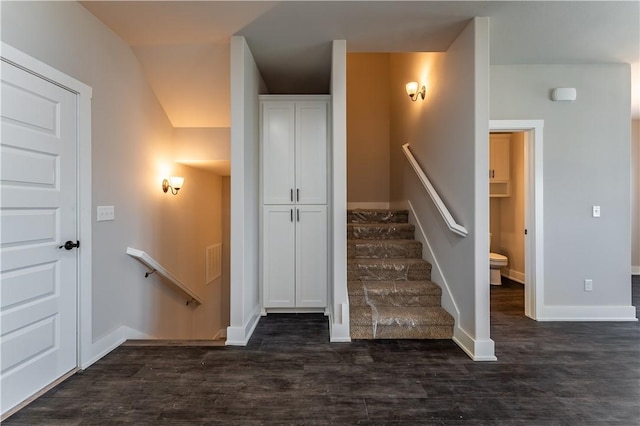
x,y
499,157
311,152
278,152
311,256
278,257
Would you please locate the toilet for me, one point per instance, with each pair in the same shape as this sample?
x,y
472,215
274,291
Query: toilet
x,y
496,262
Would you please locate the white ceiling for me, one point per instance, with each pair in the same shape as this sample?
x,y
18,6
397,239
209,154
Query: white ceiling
x,y
183,46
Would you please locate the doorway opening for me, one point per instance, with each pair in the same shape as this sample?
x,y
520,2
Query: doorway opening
x,y
533,209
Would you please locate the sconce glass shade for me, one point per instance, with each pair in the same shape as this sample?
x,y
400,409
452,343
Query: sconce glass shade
x,y
176,182
412,88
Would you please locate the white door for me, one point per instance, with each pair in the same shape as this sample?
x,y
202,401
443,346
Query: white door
x,y
311,256
278,257
311,152
278,157
38,280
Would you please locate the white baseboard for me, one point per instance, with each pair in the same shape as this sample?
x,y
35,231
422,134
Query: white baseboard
x,y
338,332
369,205
587,313
107,343
635,270
239,336
477,350
514,275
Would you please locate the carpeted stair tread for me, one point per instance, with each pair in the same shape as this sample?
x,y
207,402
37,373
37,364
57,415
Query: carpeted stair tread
x,y
386,322
392,248
382,231
394,293
377,216
424,287
391,295
388,269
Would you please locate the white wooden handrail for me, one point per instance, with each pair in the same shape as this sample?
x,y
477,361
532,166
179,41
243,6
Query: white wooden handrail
x,y
154,266
444,211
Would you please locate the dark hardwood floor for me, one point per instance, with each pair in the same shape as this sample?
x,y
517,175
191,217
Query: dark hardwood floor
x,y
546,374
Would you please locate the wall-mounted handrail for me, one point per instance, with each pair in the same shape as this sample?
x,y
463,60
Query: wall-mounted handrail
x,y
154,266
442,208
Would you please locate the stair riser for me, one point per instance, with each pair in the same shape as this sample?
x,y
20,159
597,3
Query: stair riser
x,y
394,300
389,272
377,217
372,232
435,332
384,251
388,332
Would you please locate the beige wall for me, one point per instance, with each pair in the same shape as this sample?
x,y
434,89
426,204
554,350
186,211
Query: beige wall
x,y
507,214
226,250
635,196
368,106
187,224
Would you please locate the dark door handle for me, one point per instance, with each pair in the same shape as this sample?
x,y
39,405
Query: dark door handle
x,y
70,244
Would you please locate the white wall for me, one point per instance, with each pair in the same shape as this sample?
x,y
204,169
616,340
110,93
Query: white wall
x,y
246,85
338,297
586,163
635,197
448,133
132,151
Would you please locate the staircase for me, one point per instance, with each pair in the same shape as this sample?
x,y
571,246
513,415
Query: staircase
x,y
391,295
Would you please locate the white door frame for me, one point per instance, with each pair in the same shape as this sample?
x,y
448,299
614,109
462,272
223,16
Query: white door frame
x,y
533,216
83,93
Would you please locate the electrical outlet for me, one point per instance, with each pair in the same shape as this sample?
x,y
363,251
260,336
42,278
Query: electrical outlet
x,y
588,285
595,211
106,213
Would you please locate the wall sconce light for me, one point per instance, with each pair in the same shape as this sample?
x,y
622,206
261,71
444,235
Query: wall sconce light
x,y
174,183
413,91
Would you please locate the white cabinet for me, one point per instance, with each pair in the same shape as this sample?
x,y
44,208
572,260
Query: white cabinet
x,y
311,256
278,257
499,164
294,256
294,150
294,140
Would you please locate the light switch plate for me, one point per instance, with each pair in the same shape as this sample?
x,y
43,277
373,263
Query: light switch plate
x,y
596,211
106,213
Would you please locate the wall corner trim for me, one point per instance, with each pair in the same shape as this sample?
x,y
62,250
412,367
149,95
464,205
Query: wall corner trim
x,y
239,336
477,350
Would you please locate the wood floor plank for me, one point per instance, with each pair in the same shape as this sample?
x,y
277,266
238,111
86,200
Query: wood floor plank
x,y
585,373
